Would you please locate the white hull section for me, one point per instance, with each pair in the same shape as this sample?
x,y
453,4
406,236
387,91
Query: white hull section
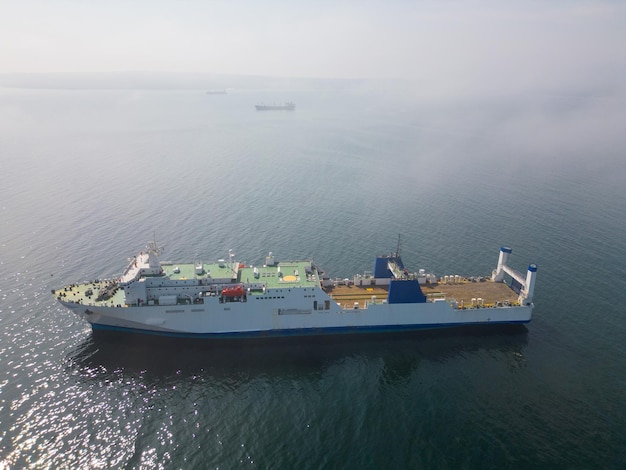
x,y
273,319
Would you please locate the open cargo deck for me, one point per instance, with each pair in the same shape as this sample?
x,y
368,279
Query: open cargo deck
x,y
467,293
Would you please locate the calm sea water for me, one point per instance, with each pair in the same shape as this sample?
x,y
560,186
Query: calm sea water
x,y
89,176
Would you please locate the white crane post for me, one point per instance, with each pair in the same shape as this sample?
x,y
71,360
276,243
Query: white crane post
x,y
498,275
530,283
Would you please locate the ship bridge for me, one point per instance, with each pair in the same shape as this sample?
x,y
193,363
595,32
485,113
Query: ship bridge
x,y
146,264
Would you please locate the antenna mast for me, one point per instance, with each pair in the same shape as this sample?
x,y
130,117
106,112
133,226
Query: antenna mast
x,y
154,246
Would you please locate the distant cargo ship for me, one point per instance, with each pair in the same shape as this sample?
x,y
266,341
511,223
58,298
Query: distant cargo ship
x,y
288,106
216,92
231,299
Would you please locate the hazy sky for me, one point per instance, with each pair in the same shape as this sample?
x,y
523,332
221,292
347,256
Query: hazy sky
x,y
516,44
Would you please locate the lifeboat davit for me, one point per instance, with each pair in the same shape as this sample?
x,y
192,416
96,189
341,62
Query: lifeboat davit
x,y
235,291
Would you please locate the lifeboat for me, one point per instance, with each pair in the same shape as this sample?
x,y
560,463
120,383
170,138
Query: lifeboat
x,y
235,291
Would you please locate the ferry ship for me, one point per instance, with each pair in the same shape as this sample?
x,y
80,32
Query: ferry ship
x,y
231,299
288,106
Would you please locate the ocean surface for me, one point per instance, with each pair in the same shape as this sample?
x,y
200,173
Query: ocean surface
x,y
89,176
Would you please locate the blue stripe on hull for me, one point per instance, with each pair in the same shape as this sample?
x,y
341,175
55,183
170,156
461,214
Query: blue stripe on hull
x,y
304,332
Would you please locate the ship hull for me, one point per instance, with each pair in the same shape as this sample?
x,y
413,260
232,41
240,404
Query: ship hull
x,y
286,107
239,321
